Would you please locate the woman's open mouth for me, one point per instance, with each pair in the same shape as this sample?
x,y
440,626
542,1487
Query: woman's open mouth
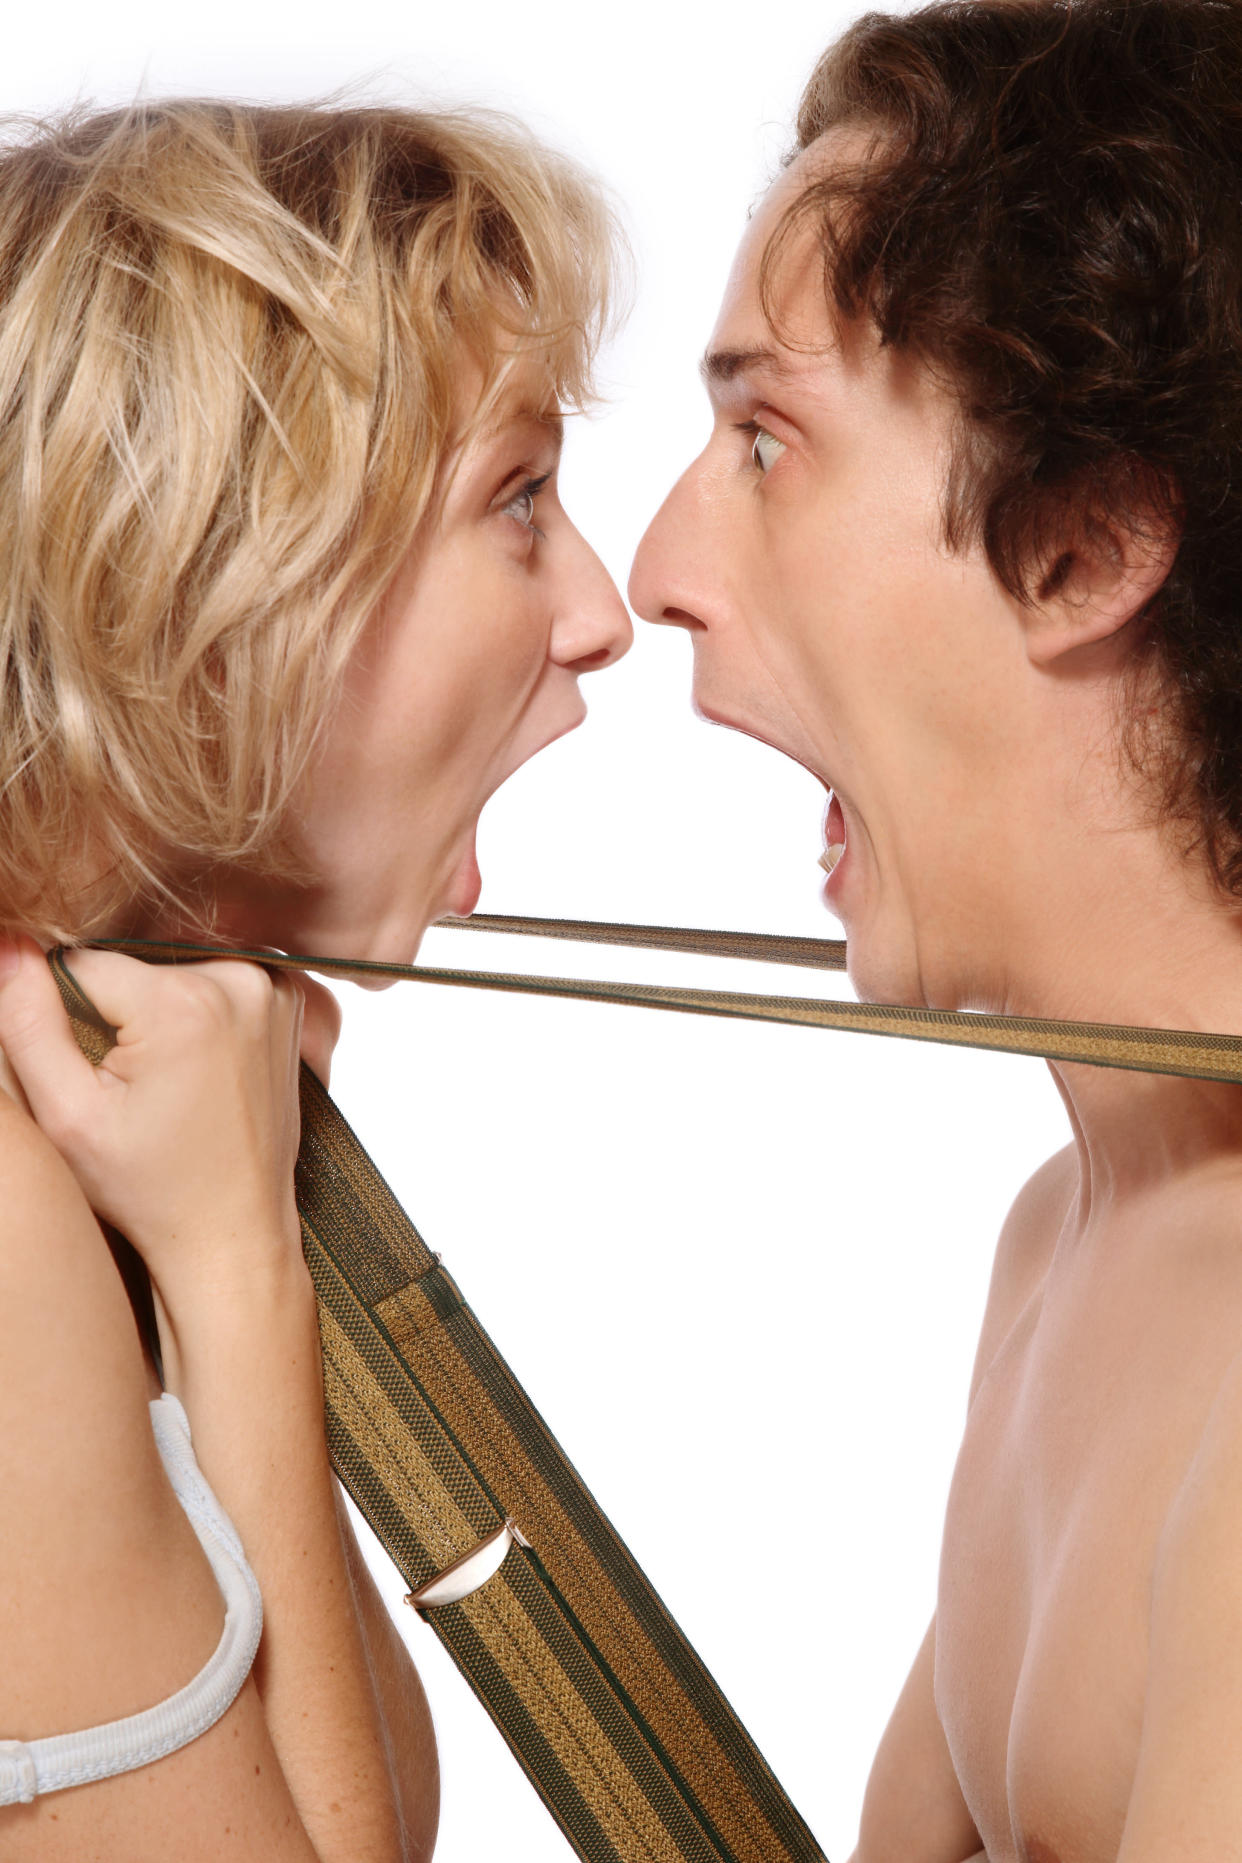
x,y
467,882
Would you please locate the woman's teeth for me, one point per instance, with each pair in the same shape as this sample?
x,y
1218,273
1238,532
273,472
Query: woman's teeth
x,y
831,855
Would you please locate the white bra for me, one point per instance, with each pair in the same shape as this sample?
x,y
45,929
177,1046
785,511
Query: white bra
x,y
29,1767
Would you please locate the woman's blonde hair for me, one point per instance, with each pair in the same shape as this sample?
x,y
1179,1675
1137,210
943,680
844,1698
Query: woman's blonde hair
x,y
230,338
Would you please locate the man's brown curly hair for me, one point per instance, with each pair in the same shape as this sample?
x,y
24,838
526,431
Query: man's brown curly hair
x,y
1051,219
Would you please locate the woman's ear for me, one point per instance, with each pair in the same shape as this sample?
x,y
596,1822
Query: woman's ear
x,y
1104,570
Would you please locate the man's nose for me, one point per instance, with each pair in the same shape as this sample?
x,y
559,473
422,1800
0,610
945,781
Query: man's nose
x,y
595,629
658,585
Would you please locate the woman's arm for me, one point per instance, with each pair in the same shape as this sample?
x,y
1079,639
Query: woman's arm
x,y
407,1717
186,1139
349,1723
107,1603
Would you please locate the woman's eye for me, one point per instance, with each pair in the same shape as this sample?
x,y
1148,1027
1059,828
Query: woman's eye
x,y
766,450
521,506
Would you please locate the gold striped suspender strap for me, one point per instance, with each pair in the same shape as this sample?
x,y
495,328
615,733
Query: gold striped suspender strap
x,y
1157,1051
604,1703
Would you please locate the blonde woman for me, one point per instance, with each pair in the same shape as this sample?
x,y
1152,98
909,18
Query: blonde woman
x,y
286,591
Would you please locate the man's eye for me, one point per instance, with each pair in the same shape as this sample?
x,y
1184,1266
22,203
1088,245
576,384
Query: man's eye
x,y
521,506
766,450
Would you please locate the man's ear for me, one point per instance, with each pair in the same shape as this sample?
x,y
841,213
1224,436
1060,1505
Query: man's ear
x,y
1103,570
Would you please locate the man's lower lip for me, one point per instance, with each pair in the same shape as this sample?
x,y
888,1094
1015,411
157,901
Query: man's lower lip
x,y
466,887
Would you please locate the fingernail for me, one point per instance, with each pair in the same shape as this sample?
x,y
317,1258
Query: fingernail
x,y
10,958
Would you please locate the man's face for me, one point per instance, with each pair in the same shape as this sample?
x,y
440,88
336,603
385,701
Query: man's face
x,y
803,552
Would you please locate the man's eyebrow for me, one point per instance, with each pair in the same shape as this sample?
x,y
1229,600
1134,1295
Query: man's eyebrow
x,y
723,365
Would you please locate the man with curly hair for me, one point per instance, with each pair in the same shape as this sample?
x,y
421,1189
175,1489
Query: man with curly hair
x,y
966,541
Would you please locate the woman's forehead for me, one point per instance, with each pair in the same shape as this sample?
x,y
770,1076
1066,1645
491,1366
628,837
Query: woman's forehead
x,y
518,387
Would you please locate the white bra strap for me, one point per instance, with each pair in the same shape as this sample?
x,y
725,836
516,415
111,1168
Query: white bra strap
x,y
28,1767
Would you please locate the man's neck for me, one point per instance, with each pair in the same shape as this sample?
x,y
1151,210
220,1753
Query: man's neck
x,y
1151,943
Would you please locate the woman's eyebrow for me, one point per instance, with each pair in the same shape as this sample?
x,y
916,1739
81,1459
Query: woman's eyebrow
x,y
548,423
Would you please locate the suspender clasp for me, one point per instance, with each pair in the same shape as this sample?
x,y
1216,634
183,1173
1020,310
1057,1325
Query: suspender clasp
x,y
472,1570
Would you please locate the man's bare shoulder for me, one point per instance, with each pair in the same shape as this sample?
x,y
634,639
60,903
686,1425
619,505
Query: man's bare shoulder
x,y
1029,1232
1024,1250
1187,1793
1210,1499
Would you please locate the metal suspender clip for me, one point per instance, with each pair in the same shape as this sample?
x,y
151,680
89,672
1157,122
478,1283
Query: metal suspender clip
x,y
472,1570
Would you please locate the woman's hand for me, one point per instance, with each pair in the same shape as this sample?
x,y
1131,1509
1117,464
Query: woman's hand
x,y
185,1136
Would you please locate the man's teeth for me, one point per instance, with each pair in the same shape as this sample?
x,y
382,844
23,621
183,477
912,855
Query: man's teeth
x,y
831,855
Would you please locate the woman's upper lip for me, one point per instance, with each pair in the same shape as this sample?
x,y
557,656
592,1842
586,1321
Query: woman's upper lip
x,y
565,729
571,725
556,736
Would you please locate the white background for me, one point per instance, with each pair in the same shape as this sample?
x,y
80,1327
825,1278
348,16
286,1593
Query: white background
x,y
739,1268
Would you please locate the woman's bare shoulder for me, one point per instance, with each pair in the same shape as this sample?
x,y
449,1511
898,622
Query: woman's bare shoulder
x,y
107,1604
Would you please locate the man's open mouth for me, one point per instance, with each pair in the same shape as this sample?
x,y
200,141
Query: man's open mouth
x,y
835,836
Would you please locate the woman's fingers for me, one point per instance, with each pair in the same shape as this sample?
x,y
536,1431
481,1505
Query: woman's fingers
x,y
171,1005
321,1026
174,1003
202,1049
165,1017
36,1037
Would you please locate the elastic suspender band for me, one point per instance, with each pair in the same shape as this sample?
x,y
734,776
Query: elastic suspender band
x,y
759,947
604,1703
1182,1052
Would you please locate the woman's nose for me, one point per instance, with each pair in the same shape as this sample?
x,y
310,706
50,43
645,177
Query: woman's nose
x,y
595,629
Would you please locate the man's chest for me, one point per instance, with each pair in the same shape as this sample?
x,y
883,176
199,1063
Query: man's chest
x,y
1077,1442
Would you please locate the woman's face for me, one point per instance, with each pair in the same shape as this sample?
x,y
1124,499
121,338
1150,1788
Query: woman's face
x,y
468,667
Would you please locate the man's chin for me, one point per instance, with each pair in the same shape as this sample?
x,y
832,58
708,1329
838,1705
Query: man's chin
x,y
882,975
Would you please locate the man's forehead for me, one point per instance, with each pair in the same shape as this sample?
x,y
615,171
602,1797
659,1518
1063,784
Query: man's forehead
x,y
745,343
